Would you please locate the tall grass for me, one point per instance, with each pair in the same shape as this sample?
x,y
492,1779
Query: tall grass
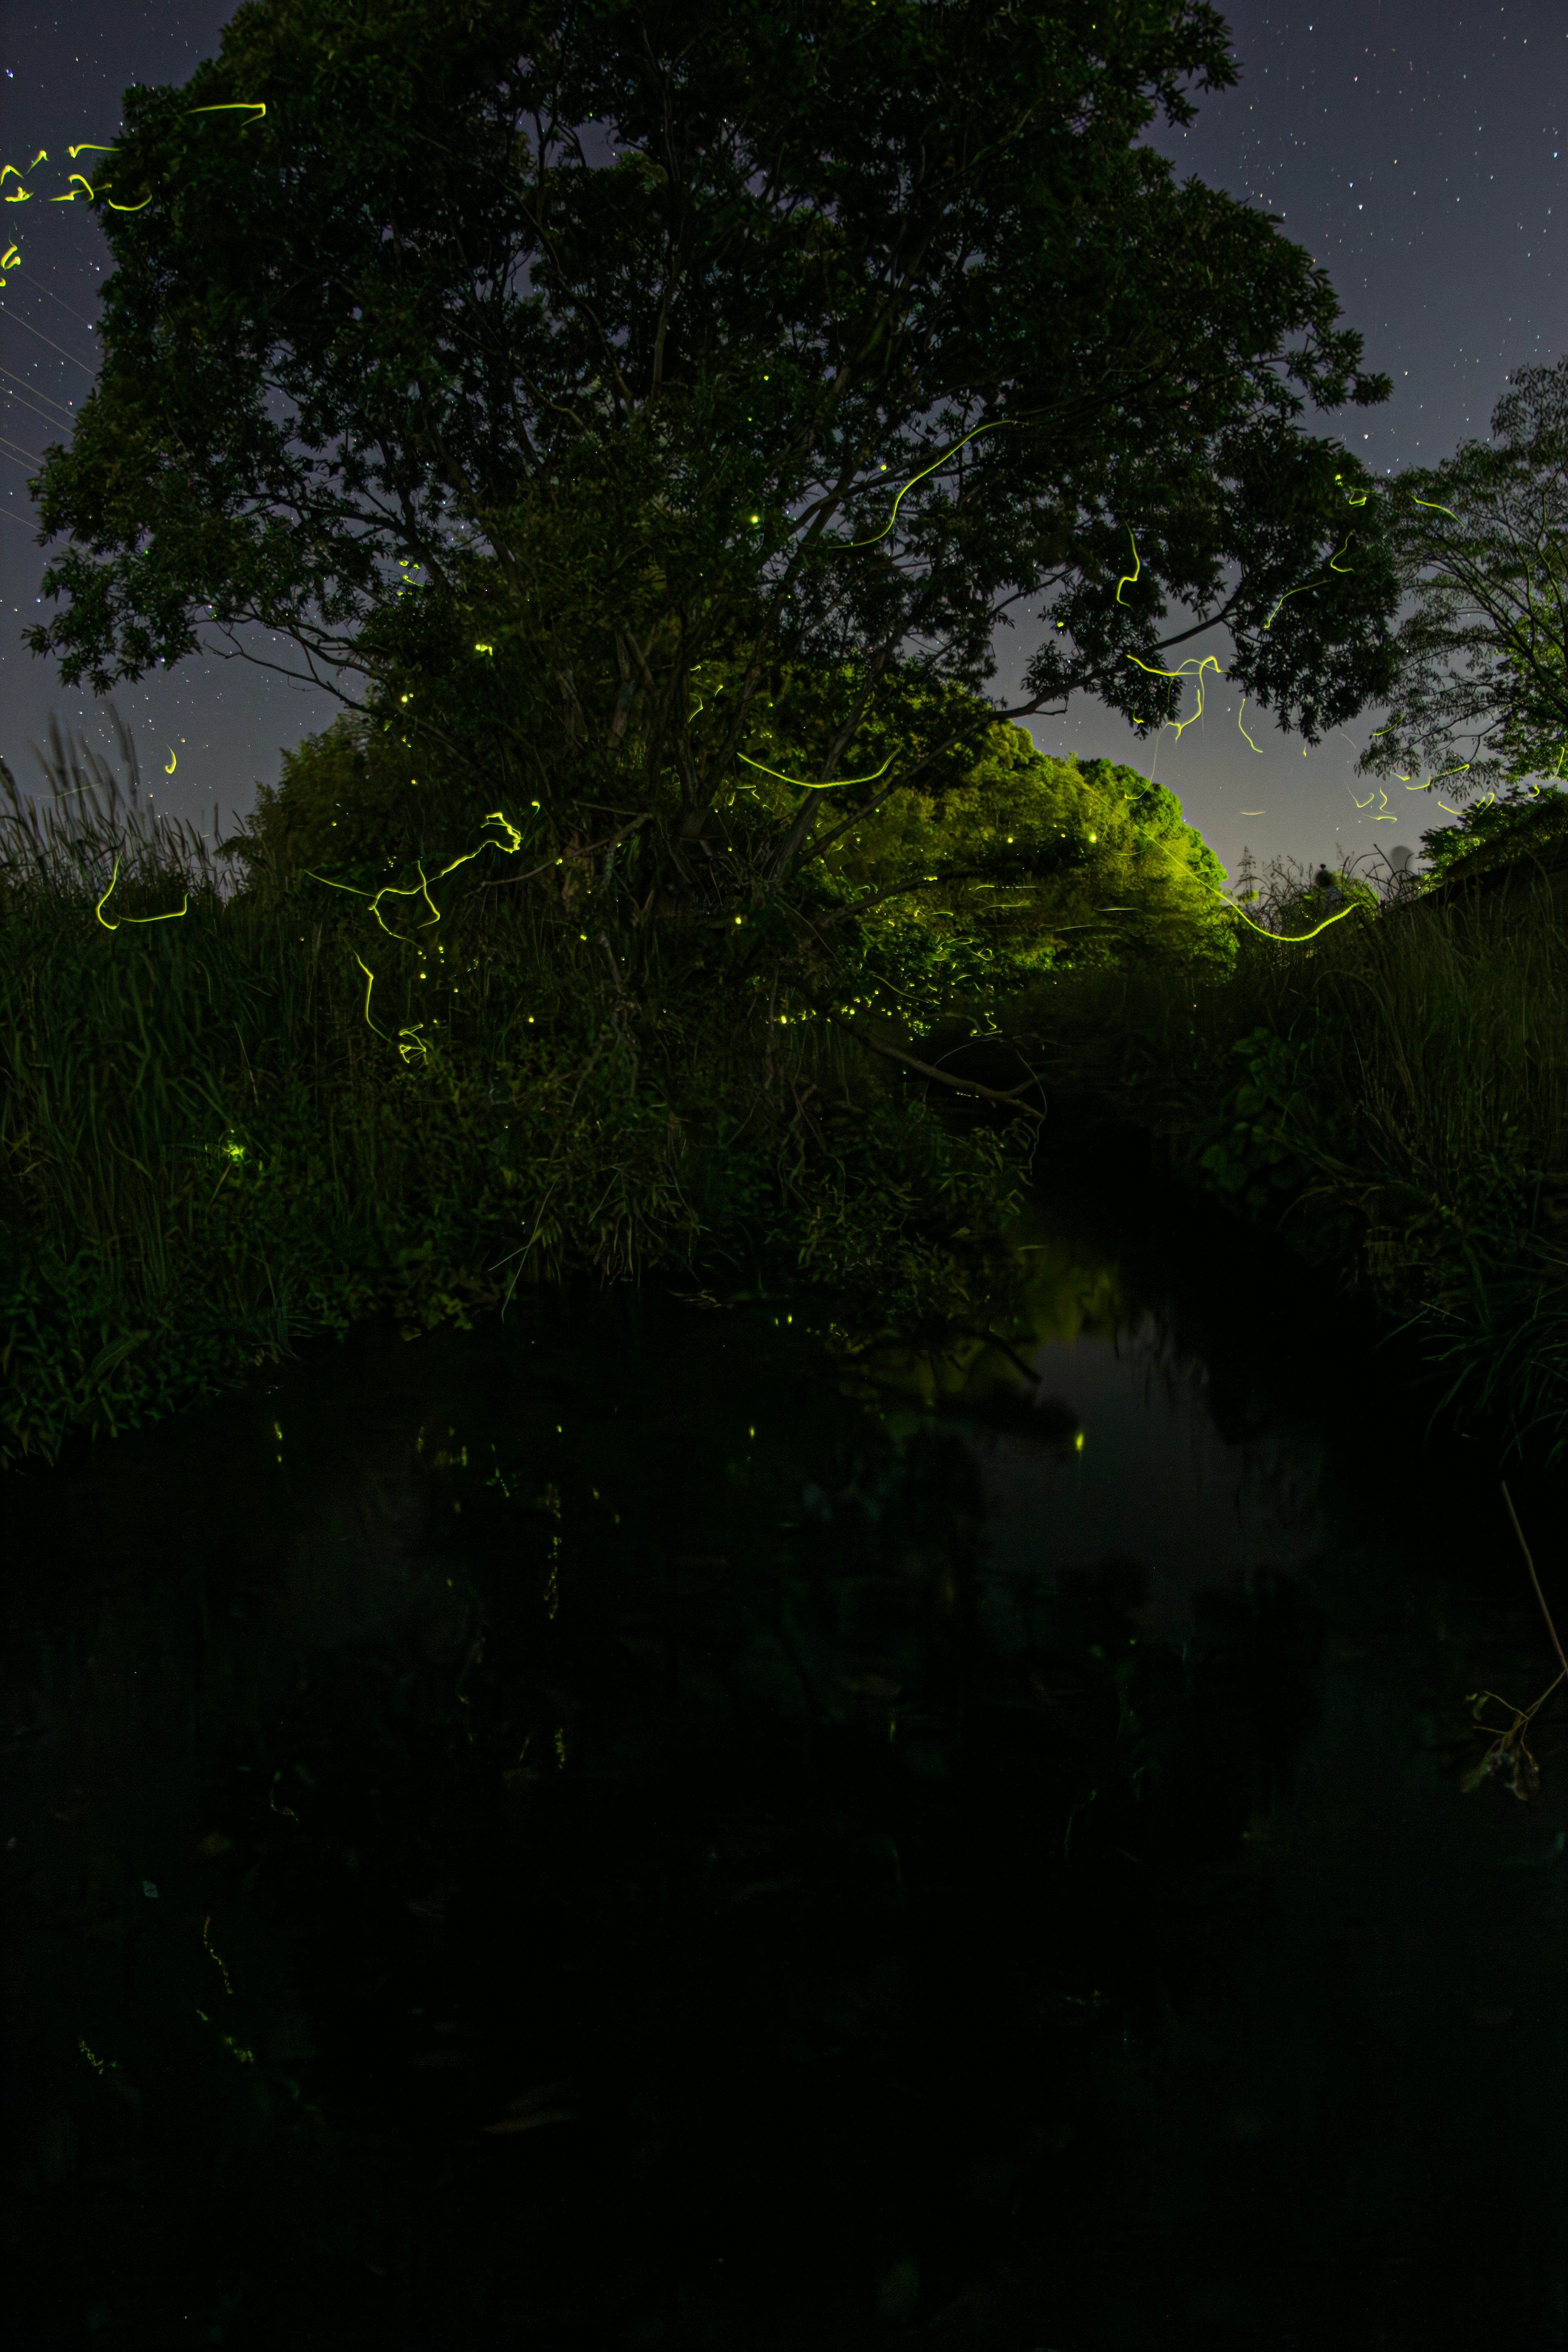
x,y
1393,1095
226,1127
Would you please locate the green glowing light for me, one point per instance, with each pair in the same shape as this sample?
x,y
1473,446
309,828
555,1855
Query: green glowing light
x,y
1462,769
171,916
1128,579
254,106
246,2057
212,1956
994,426
807,786
1193,668
1268,623
1286,939
421,889
368,984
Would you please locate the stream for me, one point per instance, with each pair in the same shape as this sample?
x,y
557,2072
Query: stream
x,y
623,1828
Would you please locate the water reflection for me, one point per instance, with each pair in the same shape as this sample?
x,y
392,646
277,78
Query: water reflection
x,y
611,1832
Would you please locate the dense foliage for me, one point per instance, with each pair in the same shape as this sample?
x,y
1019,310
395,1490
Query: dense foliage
x,y
1390,1098
1523,823
1481,546
537,370
643,416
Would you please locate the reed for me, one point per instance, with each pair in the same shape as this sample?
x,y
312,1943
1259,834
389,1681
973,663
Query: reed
x,y
1391,1094
225,1128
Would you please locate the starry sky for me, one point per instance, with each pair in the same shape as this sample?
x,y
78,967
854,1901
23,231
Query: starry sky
x,y
223,720
1411,146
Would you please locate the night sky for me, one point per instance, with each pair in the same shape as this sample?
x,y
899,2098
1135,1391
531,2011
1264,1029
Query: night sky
x,y
1412,148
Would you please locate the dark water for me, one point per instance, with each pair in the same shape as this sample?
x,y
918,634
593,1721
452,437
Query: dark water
x,y
610,1834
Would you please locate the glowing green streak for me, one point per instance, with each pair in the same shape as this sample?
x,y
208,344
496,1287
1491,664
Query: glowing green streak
x,y
1186,670
835,786
415,890
171,916
1130,579
1463,769
1286,938
212,1956
368,984
422,888
1435,507
1256,747
994,426
1268,623
252,106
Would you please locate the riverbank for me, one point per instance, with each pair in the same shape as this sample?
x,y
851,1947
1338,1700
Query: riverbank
x,y
225,1133
308,1102
1391,1098
386,1054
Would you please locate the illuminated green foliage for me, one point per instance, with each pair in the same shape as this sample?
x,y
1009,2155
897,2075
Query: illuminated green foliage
x,y
207,1151
831,335
1521,823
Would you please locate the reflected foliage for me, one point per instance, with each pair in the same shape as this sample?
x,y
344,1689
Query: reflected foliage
x,y
615,1885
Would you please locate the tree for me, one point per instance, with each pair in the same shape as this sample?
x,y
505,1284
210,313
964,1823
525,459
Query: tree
x,y
574,386
1481,546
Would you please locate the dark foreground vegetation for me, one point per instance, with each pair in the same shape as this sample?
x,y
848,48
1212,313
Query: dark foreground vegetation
x,y
1391,1095
302,1100
648,466
278,1113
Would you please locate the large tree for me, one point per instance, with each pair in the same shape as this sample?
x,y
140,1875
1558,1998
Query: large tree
x,y
568,383
1481,546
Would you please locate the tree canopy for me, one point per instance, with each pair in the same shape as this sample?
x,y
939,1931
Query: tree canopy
x,y
537,370
1481,546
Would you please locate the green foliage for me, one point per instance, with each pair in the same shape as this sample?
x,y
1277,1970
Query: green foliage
x,y
1253,1161
524,444
272,1116
1023,866
920,907
1481,546
1522,823
627,497
1400,1110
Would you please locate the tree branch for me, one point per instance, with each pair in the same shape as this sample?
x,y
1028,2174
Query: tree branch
x,y
943,1077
